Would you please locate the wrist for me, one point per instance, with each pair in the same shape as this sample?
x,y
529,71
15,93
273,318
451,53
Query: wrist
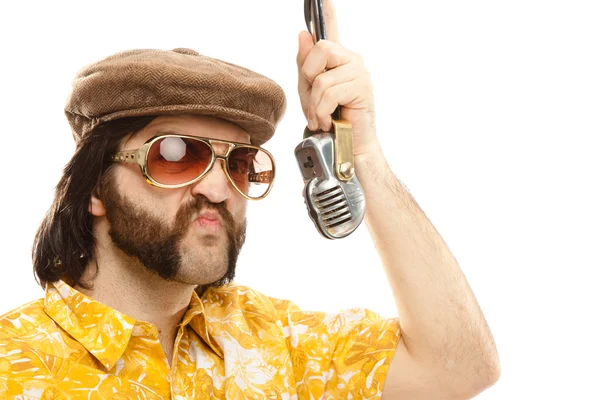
x,y
370,160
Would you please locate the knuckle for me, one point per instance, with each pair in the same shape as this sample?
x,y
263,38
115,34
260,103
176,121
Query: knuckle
x,y
306,73
327,47
323,45
320,82
329,95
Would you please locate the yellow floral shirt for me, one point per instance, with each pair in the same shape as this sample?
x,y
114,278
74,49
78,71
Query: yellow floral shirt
x,y
233,343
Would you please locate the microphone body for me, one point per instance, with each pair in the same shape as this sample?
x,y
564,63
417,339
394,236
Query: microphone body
x,y
336,207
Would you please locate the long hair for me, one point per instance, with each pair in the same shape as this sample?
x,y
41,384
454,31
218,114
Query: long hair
x,y
64,242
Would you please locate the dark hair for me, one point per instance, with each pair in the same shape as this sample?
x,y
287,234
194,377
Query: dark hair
x,y
64,242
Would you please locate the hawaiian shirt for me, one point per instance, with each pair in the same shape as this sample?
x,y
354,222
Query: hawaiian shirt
x,y
233,343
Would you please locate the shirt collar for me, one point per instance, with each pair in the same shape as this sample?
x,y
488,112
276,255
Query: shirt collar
x,y
102,330
196,318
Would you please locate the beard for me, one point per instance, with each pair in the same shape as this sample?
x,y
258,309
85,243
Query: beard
x,y
142,235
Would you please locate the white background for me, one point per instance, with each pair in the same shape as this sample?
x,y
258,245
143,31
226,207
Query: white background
x,y
488,111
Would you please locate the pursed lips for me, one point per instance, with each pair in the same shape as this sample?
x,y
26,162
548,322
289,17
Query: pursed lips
x,y
209,219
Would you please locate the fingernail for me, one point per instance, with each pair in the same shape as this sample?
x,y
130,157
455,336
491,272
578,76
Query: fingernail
x,y
310,125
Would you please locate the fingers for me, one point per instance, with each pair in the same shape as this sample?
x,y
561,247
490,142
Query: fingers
x,y
329,74
325,55
346,94
322,83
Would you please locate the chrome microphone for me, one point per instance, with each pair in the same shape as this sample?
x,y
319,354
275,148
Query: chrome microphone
x,y
332,193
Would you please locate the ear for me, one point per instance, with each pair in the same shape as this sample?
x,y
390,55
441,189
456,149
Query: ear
x,y
96,206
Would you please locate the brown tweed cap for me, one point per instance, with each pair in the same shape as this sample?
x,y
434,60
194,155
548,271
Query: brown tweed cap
x,y
179,81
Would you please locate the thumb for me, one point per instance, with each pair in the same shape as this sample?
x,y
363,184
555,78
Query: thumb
x,y
305,44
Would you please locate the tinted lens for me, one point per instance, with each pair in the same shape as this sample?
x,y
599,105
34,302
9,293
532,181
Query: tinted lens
x,y
176,160
252,170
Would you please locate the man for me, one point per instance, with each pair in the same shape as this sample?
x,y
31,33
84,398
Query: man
x,y
138,251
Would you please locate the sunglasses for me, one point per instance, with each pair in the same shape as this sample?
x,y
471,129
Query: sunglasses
x,y
173,161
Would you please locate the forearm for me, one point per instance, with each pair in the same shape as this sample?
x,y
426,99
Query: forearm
x,y
442,324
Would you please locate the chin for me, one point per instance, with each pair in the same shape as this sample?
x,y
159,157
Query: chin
x,y
204,270
195,280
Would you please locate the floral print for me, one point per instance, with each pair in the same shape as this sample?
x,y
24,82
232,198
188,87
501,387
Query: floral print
x,y
233,343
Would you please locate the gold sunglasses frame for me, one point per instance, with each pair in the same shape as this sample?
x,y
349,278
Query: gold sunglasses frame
x,y
140,157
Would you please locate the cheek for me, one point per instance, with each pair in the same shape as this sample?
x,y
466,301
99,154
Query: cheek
x,y
237,208
162,203
131,183
166,203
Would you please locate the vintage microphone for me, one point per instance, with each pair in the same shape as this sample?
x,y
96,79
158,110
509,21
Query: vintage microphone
x,y
332,193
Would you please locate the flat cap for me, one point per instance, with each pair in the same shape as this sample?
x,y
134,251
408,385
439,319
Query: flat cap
x,y
179,81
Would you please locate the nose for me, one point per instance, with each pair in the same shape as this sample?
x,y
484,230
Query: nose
x,y
214,185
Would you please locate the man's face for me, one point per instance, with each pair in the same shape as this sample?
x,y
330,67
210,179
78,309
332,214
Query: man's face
x,y
191,234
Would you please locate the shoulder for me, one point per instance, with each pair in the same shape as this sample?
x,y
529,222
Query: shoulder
x,y
23,333
33,347
28,353
22,320
29,329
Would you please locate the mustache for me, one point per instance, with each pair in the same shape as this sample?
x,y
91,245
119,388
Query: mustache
x,y
199,204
